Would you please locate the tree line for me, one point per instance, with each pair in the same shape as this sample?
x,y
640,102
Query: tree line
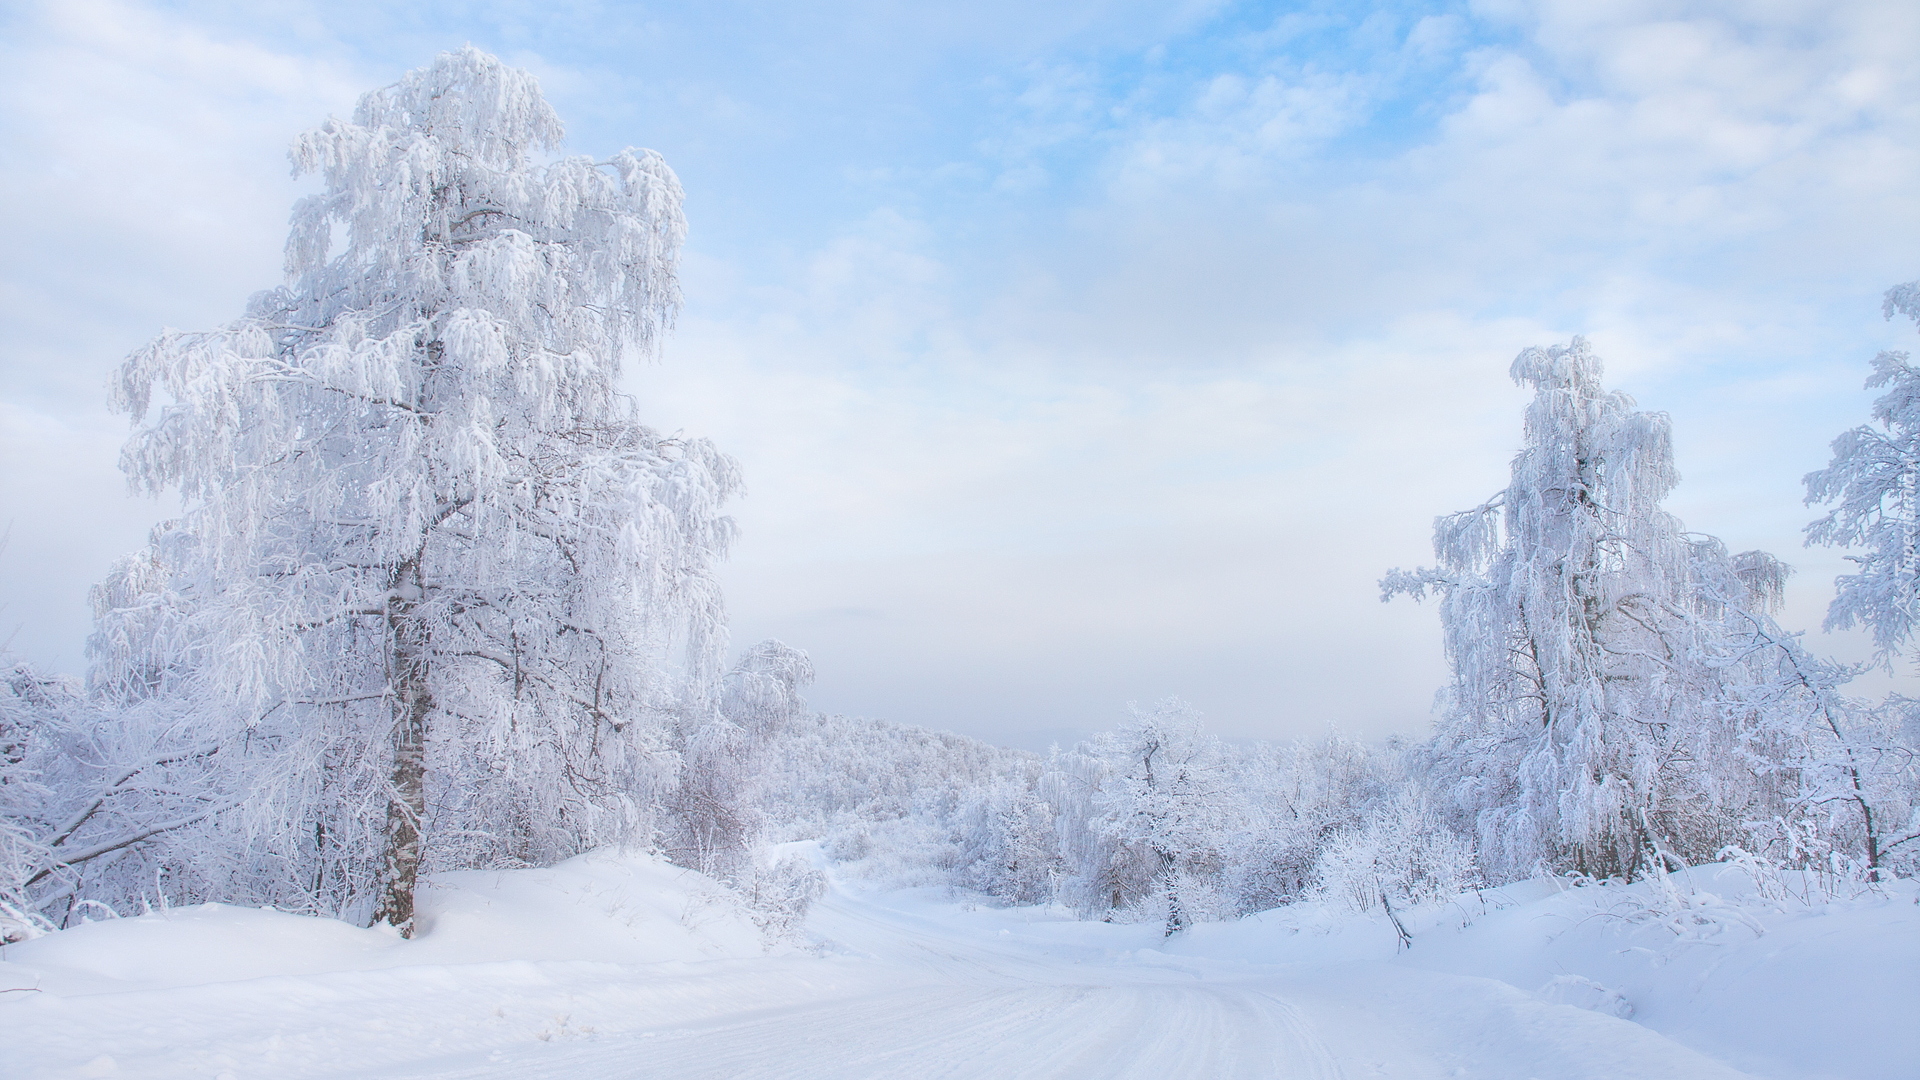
x,y
1622,702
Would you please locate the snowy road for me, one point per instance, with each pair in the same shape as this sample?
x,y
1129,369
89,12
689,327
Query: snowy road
x,y
909,989
924,997
950,1006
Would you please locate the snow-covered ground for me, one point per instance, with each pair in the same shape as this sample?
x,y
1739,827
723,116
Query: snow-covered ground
x,y
620,966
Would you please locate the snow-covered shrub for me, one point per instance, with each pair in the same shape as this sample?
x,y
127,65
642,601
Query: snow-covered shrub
x,y
1680,902
779,895
718,820
1297,798
912,851
1010,846
847,838
25,801
1403,856
1733,899
99,806
1188,896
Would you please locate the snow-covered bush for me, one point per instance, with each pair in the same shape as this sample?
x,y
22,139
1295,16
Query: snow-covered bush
x,y
779,894
1297,798
1010,843
1403,856
25,801
717,822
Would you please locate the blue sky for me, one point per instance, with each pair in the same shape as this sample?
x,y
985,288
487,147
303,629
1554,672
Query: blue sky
x,y
1076,353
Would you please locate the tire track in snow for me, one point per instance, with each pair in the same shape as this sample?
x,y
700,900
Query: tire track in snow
x,y
969,1008
1130,1032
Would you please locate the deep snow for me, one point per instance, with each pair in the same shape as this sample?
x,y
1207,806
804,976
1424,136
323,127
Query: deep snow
x,y
616,965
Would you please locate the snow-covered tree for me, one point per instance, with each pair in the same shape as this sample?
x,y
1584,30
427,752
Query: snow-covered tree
x,y
1599,653
1010,845
35,719
1164,800
92,801
457,598
715,823
1874,483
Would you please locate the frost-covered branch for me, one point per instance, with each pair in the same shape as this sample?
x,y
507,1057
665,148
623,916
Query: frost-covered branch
x,y
412,467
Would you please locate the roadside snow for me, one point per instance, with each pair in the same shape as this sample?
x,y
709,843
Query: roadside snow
x,y
1792,987
602,906
1819,990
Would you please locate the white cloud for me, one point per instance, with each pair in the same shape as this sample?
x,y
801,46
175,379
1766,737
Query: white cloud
x,y
147,173
1173,449
154,152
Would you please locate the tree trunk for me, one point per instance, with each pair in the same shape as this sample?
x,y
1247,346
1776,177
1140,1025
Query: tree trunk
x,y
407,796
1170,884
1406,939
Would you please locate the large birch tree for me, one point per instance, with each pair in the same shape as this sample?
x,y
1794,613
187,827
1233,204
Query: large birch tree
x,y
1619,691
452,597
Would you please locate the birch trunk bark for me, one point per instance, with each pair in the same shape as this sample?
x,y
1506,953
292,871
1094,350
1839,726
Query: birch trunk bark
x,y
407,793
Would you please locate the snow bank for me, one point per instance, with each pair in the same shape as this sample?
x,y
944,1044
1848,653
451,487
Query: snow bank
x,y
1779,986
1822,989
1806,988
603,906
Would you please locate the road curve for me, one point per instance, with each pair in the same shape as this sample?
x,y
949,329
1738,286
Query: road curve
x,y
923,995
953,1007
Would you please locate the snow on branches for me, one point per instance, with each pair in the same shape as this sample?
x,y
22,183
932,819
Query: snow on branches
x,y
93,802
1874,482
431,561
1163,803
1620,692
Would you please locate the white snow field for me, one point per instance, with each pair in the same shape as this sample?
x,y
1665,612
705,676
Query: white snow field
x,y
619,966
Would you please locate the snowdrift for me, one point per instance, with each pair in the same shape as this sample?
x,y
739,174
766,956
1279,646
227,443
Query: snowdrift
x,y
604,906
1772,978
1775,987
